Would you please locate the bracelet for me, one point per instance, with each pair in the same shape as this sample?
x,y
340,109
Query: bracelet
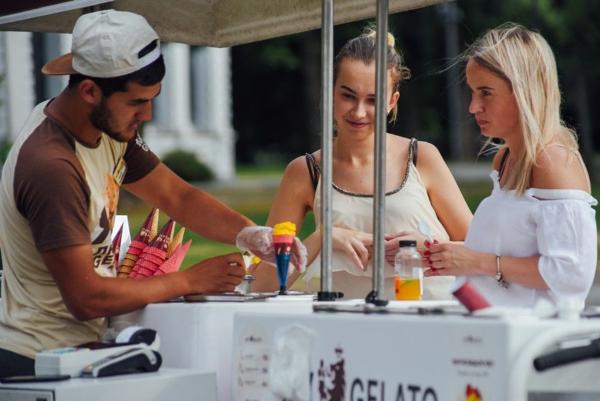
x,y
499,278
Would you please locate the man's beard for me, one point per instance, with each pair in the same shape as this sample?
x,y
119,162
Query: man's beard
x,y
100,117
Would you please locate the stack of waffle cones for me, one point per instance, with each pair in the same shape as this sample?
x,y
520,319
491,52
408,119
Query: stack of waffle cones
x,y
152,253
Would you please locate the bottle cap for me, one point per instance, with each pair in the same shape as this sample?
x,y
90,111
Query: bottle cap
x,y
405,242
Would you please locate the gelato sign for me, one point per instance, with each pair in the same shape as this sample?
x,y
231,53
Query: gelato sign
x,y
333,384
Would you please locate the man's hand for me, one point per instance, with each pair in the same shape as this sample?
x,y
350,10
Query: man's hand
x,y
219,274
259,241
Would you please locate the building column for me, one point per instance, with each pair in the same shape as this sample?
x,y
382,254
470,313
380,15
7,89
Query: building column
x,y
212,105
173,106
17,81
193,111
55,44
212,88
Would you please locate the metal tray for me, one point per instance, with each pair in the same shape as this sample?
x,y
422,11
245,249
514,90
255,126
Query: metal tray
x,y
228,297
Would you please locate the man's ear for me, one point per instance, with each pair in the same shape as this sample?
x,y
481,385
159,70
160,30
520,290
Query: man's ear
x,y
90,92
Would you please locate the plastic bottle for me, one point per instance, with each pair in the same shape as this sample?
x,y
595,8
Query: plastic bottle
x,y
409,272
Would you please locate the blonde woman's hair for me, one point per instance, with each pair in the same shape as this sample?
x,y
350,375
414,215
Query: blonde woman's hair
x,y
363,48
525,60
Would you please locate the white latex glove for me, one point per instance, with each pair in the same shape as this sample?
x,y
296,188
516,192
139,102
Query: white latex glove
x,y
259,241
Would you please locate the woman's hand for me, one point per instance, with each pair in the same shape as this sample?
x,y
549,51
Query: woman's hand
x,y
356,244
392,243
454,259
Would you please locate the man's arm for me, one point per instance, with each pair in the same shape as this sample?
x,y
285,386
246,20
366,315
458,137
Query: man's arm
x,y
88,295
189,206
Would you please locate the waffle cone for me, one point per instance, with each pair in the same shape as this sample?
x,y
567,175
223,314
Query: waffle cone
x,y
175,242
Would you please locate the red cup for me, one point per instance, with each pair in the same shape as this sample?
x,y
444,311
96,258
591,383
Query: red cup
x,y
470,297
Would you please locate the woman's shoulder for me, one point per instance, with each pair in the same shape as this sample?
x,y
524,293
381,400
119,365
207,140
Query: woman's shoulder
x,y
306,165
424,149
428,154
559,166
300,163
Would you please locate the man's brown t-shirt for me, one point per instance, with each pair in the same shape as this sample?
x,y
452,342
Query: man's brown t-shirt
x,y
55,192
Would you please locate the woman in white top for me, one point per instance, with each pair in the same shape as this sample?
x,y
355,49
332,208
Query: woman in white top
x,y
418,184
535,236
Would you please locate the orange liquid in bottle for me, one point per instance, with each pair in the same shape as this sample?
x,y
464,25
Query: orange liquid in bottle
x,y
407,289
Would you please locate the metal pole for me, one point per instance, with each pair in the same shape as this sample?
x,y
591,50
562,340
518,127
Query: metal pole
x,y
451,16
377,295
326,147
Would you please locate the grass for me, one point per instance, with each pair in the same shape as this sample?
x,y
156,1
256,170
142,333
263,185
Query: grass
x,y
270,170
255,203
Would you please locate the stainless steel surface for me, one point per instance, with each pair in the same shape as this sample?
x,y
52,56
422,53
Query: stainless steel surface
x,y
379,156
326,142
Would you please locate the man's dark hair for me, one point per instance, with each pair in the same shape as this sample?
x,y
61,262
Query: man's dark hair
x,y
147,76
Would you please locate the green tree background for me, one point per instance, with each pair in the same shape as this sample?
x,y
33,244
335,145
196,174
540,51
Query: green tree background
x,y
276,83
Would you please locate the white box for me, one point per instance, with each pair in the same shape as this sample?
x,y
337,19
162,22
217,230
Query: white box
x,y
70,361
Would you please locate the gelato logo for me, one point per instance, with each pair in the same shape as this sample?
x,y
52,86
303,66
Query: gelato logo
x,y
472,394
332,378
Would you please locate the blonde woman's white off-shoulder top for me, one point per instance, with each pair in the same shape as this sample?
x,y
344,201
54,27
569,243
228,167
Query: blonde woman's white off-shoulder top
x,y
558,225
404,208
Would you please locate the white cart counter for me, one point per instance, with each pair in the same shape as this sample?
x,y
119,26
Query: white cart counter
x,y
200,335
358,357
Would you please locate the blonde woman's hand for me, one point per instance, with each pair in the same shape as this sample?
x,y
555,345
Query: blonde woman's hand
x,y
392,243
356,244
452,259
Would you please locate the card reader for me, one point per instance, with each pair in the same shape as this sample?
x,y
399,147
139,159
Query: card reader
x,y
136,360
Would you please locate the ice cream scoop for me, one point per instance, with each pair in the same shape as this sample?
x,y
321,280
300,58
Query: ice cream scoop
x,y
283,238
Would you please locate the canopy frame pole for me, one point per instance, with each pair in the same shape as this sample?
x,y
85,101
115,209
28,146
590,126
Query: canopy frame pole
x,y
326,293
377,296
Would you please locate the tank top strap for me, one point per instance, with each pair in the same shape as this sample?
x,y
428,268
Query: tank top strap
x,y
413,151
313,169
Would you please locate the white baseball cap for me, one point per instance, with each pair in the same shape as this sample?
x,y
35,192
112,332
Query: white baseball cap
x,y
108,44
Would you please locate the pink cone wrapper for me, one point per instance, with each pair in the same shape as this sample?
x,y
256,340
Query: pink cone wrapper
x,y
174,262
155,254
139,243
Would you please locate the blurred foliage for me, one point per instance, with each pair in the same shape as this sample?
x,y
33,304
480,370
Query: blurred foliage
x,y
186,165
4,149
276,98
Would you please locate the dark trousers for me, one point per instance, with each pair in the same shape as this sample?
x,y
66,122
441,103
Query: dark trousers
x,y
12,364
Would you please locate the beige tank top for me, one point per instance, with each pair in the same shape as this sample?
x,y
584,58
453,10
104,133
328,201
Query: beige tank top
x,y
404,208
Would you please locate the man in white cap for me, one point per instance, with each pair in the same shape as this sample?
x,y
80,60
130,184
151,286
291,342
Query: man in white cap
x,y
59,191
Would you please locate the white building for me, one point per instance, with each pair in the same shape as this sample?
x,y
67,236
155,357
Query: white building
x,y
193,111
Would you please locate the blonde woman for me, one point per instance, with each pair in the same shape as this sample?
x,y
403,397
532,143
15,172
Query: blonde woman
x,y
419,186
534,237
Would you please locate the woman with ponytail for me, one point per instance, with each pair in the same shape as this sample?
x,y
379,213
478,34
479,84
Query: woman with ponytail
x,y
418,184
